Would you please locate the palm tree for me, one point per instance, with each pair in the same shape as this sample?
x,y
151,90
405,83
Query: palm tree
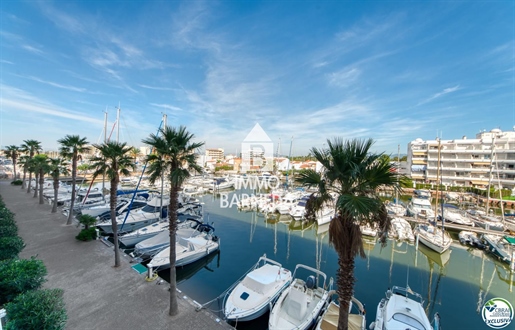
x,y
23,161
350,179
174,156
57,166
71,148
40,163
13,152
135,153
31,147
114,160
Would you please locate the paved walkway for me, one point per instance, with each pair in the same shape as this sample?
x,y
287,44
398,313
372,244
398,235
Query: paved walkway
x,y
97,295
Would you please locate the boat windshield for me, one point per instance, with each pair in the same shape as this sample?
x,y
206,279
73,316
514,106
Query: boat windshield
x,y
406,319
150,209
423,206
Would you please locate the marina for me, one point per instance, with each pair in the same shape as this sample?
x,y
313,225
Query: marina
x,y
456,282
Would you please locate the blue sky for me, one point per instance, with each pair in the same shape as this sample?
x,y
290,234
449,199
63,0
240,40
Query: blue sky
x,y
393,71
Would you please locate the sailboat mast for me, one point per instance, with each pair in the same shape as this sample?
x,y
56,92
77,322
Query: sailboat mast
x,y
118,123
437,179
398,170
492,148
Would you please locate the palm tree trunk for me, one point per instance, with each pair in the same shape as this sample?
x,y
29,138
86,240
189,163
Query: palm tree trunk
x,y
345,282
29,182
72,203
41,181
56,192
24,176
114,223
36,174
172,218
14,169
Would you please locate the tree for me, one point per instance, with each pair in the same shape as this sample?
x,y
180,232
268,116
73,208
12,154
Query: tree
x,y
114,160
31,147
13,152
72,146
57,166
36,310
40,164
135,153
352,175
174,157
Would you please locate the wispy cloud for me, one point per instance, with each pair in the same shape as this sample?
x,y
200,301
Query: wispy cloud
x,y
167,106
67,87
32,49
345,77
439,94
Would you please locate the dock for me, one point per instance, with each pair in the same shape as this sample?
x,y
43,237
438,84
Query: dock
x,y
97,295
457,227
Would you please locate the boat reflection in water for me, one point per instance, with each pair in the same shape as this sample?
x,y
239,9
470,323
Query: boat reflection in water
x,y
185,272
441,260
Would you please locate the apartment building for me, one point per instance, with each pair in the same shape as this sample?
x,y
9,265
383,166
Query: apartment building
x,y
215,154
487,159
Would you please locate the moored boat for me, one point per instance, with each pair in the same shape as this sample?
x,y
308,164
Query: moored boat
x,y
300,305
257,291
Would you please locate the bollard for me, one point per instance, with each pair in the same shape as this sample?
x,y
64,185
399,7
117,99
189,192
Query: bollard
x,y
97,234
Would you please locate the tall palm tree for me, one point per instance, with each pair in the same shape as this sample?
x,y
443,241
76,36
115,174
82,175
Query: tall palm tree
x,y
57,166
350,179
30,147
23,161
13,152
174,157
113,161
72,146
40,163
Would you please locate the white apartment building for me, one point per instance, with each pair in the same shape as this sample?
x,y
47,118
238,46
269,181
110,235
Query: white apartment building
x,y
487,159
215,154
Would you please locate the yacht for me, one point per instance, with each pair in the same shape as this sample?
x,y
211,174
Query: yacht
x,y
403,309
420,207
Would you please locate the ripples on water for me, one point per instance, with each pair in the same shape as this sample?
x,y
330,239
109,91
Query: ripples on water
x,y
455,284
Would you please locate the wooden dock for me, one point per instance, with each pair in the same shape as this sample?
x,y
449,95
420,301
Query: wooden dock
x,y
456,227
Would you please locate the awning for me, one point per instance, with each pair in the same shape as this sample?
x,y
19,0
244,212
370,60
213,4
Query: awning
x,y
481,163
419,162
479,182
419,153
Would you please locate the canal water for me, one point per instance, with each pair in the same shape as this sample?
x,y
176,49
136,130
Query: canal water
x,y
455,284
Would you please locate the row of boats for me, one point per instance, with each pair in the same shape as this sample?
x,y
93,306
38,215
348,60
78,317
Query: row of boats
x,y
295,302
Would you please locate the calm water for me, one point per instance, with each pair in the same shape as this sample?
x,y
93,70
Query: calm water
x,y
455,284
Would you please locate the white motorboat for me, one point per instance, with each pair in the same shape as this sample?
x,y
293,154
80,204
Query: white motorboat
x,y
433,237
188,250
420,207
357,319
297,212
325,215
300,305
150,246
501,246
259,289
403,309
395,209
422,193
134,237
368,230
155,210
453,214
401,230
287,203
489,222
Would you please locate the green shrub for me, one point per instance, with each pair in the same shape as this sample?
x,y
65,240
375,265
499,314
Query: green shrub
x,y
87,220
6,214
37,310
18,276
87,234
10,247
8,230
17,182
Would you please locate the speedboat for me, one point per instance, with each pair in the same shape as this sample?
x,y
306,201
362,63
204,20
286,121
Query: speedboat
x,y
453,214
500,246
420,207
325,215
403,309
357,319
134,237
300,305
152,245
433,237
401,230
154,211
189,249
259,289
368,230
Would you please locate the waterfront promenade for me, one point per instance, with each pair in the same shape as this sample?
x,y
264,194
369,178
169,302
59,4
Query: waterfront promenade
x,y
97,295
